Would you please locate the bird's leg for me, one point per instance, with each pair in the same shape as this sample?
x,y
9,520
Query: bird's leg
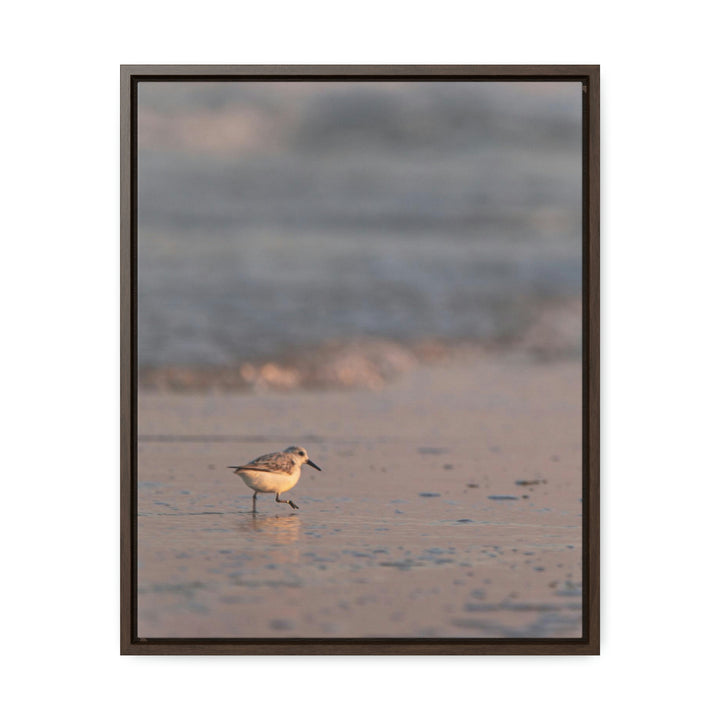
x,y
254,500
289,502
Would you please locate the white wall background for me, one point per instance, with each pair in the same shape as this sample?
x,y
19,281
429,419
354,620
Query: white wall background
x,y
60,289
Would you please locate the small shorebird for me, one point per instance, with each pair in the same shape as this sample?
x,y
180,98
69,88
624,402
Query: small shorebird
x,y
274,473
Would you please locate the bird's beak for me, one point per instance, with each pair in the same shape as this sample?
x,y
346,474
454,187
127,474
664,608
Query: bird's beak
x,y
311,463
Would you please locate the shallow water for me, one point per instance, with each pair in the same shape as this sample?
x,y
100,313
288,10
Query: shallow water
x,y
395,538
398,536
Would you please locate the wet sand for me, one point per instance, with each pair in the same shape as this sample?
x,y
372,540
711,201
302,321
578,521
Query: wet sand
x,y
449,506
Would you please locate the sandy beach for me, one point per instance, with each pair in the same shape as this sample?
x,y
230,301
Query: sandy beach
x,y
449,505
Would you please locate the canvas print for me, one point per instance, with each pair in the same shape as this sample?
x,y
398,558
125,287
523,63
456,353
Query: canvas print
x,y
359,353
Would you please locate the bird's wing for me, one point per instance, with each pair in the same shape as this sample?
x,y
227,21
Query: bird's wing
x,y
276,462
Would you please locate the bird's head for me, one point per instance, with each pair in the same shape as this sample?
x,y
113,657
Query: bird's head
x,y
301,454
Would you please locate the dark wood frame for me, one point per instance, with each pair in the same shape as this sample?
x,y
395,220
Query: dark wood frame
x,y
589,643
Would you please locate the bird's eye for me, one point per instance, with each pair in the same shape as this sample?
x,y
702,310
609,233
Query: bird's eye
x,y
301,452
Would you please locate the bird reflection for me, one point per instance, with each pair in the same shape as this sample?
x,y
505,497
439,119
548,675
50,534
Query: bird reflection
x,y
278,529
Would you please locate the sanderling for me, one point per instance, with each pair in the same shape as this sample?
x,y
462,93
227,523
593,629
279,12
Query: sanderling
x,y
275,472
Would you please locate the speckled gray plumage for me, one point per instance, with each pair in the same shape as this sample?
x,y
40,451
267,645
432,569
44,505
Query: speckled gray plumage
x,y
277,462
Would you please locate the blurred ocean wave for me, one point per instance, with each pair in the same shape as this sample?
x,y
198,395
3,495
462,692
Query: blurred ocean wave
x,y
553,332
275,218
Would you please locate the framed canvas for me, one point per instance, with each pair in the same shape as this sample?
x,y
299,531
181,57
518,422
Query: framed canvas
x,y
360,359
